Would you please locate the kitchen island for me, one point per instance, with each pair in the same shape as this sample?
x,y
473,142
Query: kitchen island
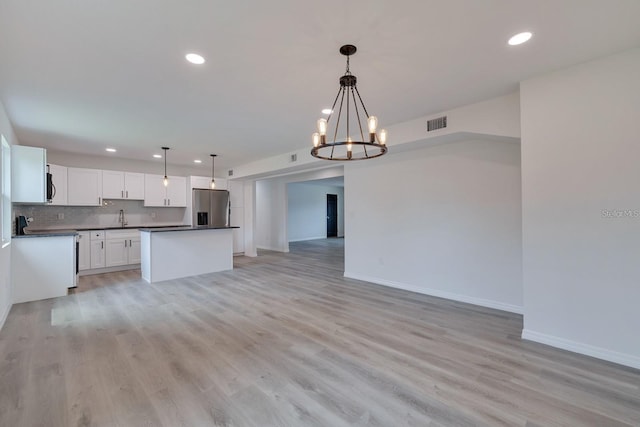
x,y
43,265
173,253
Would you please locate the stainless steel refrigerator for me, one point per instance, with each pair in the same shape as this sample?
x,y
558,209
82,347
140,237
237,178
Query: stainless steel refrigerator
x,y
210,207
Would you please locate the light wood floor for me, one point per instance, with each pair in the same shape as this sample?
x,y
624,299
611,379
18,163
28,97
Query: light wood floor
x,y
285,340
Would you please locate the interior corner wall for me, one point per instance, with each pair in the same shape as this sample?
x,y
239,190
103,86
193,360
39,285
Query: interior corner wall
x,y
307,211
581,208
6,298
271,215
443,220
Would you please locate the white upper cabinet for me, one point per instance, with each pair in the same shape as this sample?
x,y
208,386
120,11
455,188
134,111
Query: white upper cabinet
x,y
221,184
134,185
236,193
204,182
156,194
84,187
59,180
177,191
122,185
28,174
201,182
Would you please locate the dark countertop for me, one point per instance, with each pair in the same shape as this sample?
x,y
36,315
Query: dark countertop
x,y
185,228
45,233
74,231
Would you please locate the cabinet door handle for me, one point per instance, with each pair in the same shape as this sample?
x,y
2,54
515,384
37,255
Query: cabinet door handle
x,y
169,203
127,192
101,245
125,243
121,194
129,243
99,201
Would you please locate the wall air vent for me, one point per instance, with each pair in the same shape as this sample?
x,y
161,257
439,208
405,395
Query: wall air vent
x,y
435,124
294,158
230,172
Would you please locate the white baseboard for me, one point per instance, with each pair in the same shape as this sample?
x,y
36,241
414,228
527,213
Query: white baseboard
x,y
439,293
581,348
108,269
4,316
272,249
307,238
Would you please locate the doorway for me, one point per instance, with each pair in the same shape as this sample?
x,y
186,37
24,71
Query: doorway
x,y
332,215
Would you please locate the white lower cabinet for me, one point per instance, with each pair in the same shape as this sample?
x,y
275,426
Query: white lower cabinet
x,y
84,256
135,252
116,252
123,247
98,259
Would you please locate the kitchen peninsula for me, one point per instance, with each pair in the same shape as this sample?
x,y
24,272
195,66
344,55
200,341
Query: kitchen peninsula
x,y
173,253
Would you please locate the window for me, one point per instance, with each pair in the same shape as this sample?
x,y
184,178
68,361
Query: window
x,y
5,187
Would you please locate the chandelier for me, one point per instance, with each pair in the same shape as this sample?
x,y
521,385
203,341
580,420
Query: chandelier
x,y
349,142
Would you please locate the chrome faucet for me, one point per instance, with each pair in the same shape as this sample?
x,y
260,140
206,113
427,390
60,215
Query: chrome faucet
x,y
121,219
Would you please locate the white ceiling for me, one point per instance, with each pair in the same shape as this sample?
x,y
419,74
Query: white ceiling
x,y
83,75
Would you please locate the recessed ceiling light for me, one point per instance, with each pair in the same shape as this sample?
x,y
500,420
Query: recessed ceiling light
x,y
520,38
194,58
327,111
111,150
157,156
197,161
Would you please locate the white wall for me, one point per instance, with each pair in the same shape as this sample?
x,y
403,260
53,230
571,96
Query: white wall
x,y
443,220
307,211
271,215
580,159
5,253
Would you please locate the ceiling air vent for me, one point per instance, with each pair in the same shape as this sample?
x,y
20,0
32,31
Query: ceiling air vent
x,y
435,124
230,172
294,158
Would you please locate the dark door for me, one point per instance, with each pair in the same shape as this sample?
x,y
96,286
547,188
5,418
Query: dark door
x,y
332,215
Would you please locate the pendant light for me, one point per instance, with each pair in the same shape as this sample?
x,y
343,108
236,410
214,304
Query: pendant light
x,y
165,180
213,180
351,133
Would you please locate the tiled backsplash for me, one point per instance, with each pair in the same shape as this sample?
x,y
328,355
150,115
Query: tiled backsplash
x,y
47,217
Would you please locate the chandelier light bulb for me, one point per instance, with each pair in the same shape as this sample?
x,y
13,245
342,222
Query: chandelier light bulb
x,y
373,123
322,127
316,139
165,181
213,184
382,136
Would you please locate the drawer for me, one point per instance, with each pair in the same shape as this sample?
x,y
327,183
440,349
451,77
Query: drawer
x,y
97,234
122,234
